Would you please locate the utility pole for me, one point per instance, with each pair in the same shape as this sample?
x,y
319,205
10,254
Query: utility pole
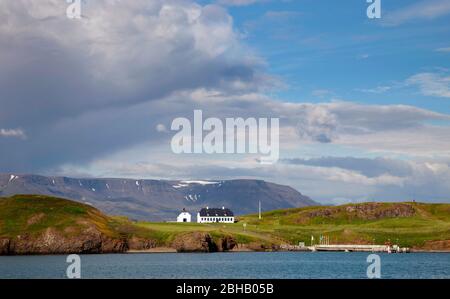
x,y
259,210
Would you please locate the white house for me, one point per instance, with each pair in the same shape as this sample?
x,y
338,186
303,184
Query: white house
x,y
184,217
207,215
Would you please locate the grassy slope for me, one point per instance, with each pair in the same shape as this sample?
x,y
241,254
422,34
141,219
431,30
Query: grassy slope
x,y
34,213
430,222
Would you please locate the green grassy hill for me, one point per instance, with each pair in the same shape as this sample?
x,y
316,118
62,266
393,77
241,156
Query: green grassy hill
x,y
406,224
32,224
33,214
416,225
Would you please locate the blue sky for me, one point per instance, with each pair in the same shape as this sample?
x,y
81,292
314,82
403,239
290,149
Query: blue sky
x,y
331,46
364,105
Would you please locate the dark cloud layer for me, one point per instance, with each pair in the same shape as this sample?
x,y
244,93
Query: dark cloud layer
x,y
77,87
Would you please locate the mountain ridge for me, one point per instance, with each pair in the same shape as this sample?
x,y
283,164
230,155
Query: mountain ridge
x,y
157,200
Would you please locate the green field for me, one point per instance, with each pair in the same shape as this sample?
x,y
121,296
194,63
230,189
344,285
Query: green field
x,y
429,222
406,224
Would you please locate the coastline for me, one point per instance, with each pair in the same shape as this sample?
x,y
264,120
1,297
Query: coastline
x,y
245,249
154,250
241,250
50,226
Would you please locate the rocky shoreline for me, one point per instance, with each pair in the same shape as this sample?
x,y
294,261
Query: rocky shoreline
x,y
92,241
52,242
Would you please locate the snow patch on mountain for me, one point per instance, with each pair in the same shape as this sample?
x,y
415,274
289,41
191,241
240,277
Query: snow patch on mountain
x,y
12,178
203,183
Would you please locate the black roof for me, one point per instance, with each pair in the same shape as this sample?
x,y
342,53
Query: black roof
x,y
216,212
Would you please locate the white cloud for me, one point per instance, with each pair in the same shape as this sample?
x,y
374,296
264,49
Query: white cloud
x,y
431,84
18,133
319,124
321,93
161,128
424,10
377,89
363,56
423,181
416,141
239,2
281,14
445,50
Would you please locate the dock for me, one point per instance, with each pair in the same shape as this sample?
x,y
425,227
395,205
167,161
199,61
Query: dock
x,y
360,248
348,248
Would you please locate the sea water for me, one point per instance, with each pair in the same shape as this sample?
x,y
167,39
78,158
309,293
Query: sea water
x,y
230,265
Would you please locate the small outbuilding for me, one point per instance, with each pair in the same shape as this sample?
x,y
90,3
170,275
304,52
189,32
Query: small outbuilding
x,y
184,216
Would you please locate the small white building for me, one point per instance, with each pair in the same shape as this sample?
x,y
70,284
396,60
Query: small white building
x,y
184,217
207,215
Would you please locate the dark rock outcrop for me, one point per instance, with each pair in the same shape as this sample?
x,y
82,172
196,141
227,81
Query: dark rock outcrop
x,y
136,243
202,242
194,242
4,246
53,242
227,243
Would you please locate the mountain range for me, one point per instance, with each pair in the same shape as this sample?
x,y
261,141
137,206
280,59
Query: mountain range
x,y
158,200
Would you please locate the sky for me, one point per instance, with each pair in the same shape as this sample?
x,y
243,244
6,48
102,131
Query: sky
x,y
364,104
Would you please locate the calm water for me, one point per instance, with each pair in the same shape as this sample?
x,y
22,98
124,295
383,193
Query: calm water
x,y
230,265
